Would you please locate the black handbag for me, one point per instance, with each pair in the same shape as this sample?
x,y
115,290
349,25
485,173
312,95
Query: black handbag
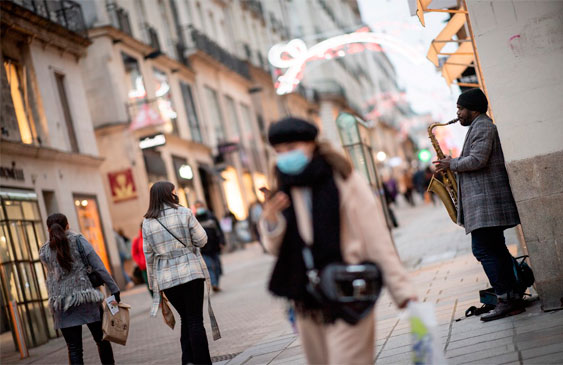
x,y
93,275
349,291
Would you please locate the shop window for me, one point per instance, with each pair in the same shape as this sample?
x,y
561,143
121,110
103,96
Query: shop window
x,y
184,177
215,114
164,102
193,120
91,225
23,275
17,118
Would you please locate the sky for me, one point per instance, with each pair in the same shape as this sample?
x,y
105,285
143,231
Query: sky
x,y
426,89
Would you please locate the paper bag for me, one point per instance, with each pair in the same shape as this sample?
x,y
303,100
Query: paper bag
x,y
426,345
116,327
167,312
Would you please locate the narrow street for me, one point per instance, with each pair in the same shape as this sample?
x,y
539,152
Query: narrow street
x,y
437,251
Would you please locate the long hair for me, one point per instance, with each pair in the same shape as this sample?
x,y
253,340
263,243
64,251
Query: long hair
x,y
56,223
335,159
160,194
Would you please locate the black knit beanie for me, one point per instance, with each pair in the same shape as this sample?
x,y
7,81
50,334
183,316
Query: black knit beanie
x,y
292,130
473,99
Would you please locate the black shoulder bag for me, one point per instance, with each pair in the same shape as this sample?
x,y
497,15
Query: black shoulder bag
x,y
93,275
349,290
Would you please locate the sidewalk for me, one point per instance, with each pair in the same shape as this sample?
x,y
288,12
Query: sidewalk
x,y
533,337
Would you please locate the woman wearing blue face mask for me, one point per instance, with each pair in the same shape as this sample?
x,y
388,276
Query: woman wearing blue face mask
x,y
323,201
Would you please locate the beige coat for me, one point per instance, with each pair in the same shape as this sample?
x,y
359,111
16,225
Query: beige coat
x,y
364,236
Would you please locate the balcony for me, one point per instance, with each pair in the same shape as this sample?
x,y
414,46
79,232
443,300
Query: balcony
x,y
152,37
206,45
66,13
119,19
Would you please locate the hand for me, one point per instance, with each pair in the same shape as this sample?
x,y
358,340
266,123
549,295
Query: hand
x,y
117,298
274,206
443,164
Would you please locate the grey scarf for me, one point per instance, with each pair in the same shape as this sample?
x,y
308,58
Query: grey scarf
x,y
68,289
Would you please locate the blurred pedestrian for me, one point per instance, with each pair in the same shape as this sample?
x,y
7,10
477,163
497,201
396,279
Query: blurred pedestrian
x,y
228,223
124,255
139,256
320,197
215,242
171,241
408,187
486,205
72,298
419,183
254,214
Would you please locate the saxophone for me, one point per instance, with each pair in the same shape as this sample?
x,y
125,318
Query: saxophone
x,y
447,188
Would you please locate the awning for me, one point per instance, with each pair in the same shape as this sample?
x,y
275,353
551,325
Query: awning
x,y
445,36
458,62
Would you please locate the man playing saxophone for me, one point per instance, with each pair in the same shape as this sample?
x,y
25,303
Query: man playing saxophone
x,y
486,206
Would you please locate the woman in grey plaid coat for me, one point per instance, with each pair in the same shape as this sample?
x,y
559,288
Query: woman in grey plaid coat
x,y
171,241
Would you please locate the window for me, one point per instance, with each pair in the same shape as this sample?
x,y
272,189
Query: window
x,y
60,79
193,120
17,120
164,102
215,114
154,165
136,86
248,136
232,112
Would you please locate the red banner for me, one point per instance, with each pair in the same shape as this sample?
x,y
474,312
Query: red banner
x,y
122,185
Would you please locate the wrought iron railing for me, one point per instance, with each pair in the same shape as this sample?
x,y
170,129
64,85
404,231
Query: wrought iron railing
x,y
66,13
204,44
119,18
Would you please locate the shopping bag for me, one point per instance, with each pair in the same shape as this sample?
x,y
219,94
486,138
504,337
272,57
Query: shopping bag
x,y
427,348
116,326
167,312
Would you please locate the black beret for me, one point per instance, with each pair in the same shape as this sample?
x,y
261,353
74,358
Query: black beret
x,y
292,130
473,99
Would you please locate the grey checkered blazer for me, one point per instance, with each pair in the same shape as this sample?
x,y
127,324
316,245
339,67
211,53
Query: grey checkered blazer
x,y
484,190
169,263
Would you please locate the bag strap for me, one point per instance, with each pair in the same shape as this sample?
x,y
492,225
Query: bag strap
x,y
173,235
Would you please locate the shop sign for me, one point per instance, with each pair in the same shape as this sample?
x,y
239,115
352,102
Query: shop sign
x,y
122,185
152,141
12,173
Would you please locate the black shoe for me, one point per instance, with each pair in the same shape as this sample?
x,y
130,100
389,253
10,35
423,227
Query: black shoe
x,y
503,309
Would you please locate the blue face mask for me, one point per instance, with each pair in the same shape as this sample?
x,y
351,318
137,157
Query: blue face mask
x,y
292,162
200,211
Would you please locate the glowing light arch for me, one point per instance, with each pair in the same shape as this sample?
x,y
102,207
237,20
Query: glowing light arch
x,y
294,55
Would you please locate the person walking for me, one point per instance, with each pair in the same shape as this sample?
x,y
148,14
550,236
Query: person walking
x,y
486,206
172,238
215,242
72,298
139,256
122,243
318,190
254,214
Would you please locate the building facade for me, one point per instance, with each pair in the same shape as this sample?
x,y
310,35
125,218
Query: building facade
x,y
49,157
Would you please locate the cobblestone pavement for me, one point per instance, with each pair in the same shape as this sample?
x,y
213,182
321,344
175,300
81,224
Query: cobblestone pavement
x,y
254,325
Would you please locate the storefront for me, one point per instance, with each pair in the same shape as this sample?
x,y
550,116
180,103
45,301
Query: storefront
x,y
23,275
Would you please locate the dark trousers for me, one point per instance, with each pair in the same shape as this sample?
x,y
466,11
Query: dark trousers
x,y
73,338
490,249
187,299
213,263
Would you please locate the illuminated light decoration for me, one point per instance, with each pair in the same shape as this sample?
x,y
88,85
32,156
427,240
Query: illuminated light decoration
x,y
146,116
153,141
294,55
381,156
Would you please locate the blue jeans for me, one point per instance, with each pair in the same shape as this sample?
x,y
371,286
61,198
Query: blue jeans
x,y
489,248
213,263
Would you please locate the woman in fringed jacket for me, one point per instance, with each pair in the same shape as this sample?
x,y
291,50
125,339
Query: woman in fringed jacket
x,y
72,298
